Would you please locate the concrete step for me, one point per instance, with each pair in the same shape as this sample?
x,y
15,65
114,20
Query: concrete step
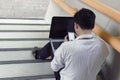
x,y
18,57
13,35
24,70
22,44
13,55
23,21
38,77
47,79
22,27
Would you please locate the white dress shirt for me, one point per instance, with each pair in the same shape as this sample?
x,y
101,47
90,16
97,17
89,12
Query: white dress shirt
x,y
81,59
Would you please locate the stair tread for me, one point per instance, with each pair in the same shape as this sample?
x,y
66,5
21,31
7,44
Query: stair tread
x,y
20,21
37,77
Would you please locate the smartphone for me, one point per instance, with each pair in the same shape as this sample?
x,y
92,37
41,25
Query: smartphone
x,y
71,36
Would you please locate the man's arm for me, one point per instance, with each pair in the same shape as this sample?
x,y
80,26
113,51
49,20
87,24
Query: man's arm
x,y
58,60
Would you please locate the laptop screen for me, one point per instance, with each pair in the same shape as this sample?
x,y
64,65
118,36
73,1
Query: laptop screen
x,y
60,26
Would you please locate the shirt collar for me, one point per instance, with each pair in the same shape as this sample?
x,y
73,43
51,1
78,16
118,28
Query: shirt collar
x,y
85,36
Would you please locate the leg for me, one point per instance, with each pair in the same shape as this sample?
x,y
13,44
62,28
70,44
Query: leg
x,y
44,52
57,75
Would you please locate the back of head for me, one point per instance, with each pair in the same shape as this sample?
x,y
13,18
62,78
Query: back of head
x,y
85,18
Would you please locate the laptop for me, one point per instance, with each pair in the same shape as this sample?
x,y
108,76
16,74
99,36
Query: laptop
x,y
60,26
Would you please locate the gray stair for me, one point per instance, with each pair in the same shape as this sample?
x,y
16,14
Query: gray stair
x,y
17,38
22,21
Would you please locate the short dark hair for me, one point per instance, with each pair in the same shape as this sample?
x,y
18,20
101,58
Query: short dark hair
x,y
85,18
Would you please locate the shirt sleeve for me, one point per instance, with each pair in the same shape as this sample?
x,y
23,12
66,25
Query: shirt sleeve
x,y
58,60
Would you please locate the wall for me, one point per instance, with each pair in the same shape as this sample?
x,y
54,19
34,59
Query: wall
x,y
54,10
111,69
112,3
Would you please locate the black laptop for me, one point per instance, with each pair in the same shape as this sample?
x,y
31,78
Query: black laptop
x,y
60,26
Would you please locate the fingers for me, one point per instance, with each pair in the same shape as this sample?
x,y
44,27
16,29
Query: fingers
x,y
66,38
76,35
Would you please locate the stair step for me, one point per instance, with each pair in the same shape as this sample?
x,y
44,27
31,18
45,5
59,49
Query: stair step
x,y
17,55
21,18
23,61
21,21
25,27
15,49
24,35
24,70
22,44
24,31
23,39
14,55
38,77
47,79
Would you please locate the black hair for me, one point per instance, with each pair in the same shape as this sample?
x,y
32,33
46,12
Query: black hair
x,y
85,18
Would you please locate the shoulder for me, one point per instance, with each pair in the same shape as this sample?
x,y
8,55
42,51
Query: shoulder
x,y
102,45
101,42
67,44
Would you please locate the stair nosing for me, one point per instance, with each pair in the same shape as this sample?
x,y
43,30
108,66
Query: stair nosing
x,y
24,39
24,30
16,49
43,24
47,76
41,18
23,61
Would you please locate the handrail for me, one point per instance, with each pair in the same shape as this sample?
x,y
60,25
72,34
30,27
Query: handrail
x,y
108,11
112,40
118,37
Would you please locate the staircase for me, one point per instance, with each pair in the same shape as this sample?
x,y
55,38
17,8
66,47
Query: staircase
x,y
17,38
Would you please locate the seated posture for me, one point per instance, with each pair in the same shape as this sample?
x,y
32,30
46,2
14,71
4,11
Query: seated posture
x,y
43,53
80,59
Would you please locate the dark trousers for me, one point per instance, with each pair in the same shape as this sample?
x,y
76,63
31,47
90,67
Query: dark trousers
x,y
45,52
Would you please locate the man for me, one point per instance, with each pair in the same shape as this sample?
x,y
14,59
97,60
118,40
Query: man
x,y
82,58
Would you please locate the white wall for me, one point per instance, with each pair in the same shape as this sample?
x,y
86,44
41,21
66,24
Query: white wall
x,y
54,10
111,68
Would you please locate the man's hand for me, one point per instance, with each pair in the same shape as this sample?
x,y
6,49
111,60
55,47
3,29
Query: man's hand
x,y
66,38
76,35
